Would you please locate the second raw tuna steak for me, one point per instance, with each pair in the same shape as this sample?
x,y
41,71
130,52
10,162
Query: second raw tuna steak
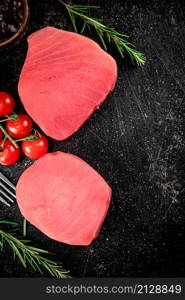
x,y
64,197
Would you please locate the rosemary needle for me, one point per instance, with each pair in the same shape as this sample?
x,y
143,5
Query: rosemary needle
x,y
104,32
24,227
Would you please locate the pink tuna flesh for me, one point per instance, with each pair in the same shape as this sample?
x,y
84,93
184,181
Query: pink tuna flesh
x,y
64,197
65,77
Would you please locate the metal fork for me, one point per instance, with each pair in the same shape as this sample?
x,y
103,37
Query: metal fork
x,y
7,191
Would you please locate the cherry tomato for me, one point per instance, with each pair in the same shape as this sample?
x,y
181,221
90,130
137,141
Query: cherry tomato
x,y
1,134
7,104
35,149
20,128
10,154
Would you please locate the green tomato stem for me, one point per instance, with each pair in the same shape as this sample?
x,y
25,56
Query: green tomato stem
x,y
29,138
12,117
9,137
4,120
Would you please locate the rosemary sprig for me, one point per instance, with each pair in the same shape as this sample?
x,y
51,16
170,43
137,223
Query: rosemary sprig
x,y
104,32
29,255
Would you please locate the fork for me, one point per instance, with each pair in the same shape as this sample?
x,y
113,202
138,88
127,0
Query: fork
x,y
7,191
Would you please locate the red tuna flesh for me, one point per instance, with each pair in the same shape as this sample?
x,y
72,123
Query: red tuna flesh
x,y
65,77
64,197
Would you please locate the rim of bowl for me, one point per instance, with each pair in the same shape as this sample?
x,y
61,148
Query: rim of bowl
x,y
22,27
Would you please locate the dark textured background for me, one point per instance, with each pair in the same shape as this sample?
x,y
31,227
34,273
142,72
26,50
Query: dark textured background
x,y
135,140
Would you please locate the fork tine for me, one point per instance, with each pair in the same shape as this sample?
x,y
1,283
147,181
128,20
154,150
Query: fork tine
x,y
7,190
4,201
6,181
7,196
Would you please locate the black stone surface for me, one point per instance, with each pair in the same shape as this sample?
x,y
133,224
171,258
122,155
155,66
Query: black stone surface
x,y
135,140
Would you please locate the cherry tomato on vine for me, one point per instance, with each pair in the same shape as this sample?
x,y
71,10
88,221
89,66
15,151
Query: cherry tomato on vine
x,y
36,148
1,134
7,104
9,154
20,128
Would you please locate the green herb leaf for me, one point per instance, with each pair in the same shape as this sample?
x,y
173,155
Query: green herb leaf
x,y
104,32
24,227
7,222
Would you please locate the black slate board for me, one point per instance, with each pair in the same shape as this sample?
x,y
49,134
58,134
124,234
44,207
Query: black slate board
x,y
135,140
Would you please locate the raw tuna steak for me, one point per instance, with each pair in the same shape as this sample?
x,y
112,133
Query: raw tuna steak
x,y
66,76
64,197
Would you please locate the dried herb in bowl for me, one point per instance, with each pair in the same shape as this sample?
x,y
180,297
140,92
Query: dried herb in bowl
x,y
13,20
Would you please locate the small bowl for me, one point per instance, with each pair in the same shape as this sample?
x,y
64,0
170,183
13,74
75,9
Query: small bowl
x,y
15,38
